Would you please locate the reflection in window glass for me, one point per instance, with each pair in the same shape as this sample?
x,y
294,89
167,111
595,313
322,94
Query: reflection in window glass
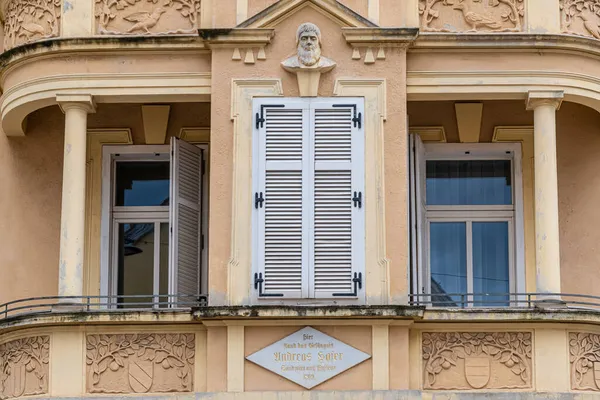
x,y
490,262
448,262
136,262
142,183
469,182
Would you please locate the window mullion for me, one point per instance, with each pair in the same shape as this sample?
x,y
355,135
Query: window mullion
x,y
156,280
469,241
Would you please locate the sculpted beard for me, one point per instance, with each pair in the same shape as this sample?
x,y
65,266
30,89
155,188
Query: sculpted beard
x,y
309,57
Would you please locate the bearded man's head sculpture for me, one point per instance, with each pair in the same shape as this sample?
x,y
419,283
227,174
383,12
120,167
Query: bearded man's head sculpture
x,y
308,42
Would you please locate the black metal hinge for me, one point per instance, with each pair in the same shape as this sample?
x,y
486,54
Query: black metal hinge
x,y
357,115
357,282
260,118
258,199
258,285
357,199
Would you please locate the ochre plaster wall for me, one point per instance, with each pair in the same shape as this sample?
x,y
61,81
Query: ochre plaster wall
x,y
359,6
222,141
30,197
257,378
578,145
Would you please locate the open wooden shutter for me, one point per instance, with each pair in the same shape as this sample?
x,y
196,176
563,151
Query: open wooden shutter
x,y
337,215
280,198
186,217
418,222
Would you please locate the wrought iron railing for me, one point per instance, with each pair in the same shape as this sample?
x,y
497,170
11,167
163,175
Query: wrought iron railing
x,y
507,300
48,304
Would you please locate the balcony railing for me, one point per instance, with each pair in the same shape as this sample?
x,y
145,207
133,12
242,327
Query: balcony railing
x,y
507,300
48,304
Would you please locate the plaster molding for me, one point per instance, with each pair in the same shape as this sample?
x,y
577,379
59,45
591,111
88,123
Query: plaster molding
x,y
374,93
22,99
195,135
240,261
429,133
381,355
232,38
96,138
380,37
155,118
472,15
67,101
468,360
235,358
24,367
545,98
468,121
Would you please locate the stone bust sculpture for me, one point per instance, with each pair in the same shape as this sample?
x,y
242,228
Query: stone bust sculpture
x,y
308,43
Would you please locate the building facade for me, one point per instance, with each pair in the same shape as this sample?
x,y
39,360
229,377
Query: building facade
x,y
291,198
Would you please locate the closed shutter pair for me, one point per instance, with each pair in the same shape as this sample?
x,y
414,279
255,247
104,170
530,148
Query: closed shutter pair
x,y
309,201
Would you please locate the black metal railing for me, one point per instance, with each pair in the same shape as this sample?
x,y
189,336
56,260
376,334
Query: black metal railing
x,y
505,300
48,304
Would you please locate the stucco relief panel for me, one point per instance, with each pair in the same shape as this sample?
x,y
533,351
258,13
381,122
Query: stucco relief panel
x,y
580,17
140,363
30,20
472,15
146,17
584,356
24,367
477,360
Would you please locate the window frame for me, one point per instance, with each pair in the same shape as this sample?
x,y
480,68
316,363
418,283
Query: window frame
x,y
113,215
513,214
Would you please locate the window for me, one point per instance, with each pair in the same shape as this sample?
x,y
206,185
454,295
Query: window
x,y
153,228
308,218
466,217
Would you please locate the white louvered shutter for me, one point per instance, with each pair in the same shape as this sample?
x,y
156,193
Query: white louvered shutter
x,y
185,216
417,215
280,201
337,215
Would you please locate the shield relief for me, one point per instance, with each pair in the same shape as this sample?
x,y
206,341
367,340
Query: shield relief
x,y
141,375
18,379
477,371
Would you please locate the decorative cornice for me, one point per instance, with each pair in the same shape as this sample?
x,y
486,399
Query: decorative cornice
x,y
429,133
237,37
374,37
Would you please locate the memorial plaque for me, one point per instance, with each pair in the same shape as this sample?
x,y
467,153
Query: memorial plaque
x,y
308,357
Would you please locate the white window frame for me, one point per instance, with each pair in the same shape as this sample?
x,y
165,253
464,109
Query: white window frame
x,y
513,214
113,215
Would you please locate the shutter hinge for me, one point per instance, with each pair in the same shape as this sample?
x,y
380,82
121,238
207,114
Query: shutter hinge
x,y
260,118
357,199
258,285
357,119
258,199
357,281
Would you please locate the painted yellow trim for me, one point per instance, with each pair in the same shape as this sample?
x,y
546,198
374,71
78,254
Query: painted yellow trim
x,y
373,11
200,383
377,263
415,361
240,262
551,360
524,135
429,134
195,135
303,322
235,358
468,120
156,119
381,357
93,212
67,363
24,98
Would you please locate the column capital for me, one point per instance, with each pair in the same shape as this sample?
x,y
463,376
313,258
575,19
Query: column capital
x,y
545,98
83,101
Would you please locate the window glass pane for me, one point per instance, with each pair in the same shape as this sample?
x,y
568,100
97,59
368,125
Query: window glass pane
x,y
142,183
490,262
448,262
469,182
163,285
136,263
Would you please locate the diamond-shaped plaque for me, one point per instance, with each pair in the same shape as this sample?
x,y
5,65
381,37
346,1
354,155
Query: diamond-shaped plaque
x,y
308,357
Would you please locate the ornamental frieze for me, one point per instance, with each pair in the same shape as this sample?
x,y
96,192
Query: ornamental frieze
x,y
24,366
140,363
477,360
580,17
146,17
471,15
584,357
30,20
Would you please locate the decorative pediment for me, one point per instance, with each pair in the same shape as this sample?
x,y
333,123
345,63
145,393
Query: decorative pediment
x,y
283,9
